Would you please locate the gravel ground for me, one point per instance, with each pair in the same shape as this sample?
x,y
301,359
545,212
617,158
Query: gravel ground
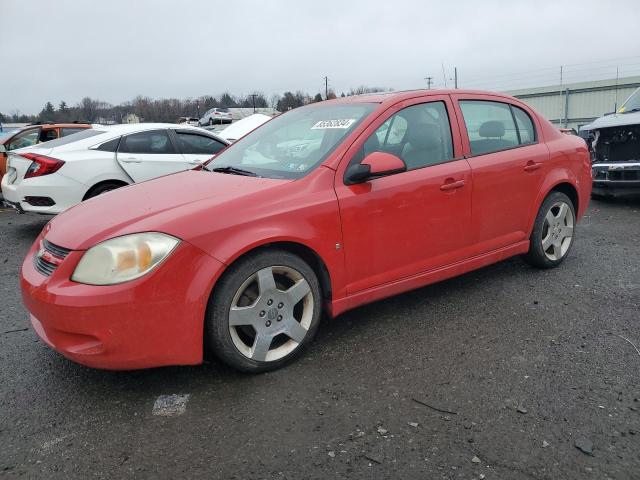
x,y
499,374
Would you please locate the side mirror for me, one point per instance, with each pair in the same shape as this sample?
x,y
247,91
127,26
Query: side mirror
x,y
376,164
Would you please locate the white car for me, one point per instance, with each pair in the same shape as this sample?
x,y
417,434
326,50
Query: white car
x,y
216,115
240,128
54,176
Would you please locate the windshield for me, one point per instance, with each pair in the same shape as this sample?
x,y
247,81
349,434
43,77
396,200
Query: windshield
x,y
632,103
293,144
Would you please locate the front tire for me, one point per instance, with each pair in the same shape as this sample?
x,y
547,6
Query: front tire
x,y
210,121
264,311
553,232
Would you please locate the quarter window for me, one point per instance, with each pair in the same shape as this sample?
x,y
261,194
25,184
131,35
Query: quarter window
x,y
420,135
525,125
151,142
198,144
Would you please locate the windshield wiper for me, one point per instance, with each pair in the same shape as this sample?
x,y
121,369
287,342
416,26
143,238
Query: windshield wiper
x,y
234,171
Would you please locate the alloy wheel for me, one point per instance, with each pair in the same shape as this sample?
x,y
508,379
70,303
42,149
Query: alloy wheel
x,y
271,313
557,232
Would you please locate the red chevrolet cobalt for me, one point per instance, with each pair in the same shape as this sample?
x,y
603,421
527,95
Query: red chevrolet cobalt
x,y
324,208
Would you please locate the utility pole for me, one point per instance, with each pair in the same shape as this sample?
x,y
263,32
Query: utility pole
x,y
429,80
455,77
326,87
253,101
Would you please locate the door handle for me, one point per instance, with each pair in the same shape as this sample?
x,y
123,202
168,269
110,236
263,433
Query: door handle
x,y
131,160
532,166
450,184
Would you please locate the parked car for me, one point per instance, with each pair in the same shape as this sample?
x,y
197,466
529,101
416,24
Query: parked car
x,y
216,115
615,150
54,176
188,121
240,128
392,192
34,134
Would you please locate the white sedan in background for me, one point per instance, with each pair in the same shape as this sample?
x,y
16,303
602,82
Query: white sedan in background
x,y
54,176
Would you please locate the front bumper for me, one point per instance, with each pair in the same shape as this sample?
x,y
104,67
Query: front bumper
x,y
616,179
152,321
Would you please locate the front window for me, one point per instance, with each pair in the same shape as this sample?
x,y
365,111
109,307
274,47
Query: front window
x,y
293,144
27,138
632,104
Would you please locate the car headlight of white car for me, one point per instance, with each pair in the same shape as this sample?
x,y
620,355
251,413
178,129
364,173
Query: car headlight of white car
x,y
123,258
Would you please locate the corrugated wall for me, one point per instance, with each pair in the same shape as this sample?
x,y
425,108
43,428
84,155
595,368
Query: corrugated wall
x,y
586,101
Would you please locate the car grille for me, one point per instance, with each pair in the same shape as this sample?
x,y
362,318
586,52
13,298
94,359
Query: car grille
x,y
48,249
624,175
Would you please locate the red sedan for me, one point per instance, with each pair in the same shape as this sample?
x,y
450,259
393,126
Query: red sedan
x,y
322,209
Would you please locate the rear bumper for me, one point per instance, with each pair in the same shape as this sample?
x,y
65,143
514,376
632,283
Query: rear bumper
x,y
153,321
63,191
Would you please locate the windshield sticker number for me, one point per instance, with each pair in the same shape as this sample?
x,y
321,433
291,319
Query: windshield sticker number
x,y
338,123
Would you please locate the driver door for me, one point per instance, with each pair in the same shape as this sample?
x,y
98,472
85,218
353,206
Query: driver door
x,y
407,223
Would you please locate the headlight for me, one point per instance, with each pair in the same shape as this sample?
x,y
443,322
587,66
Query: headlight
x,y
123,258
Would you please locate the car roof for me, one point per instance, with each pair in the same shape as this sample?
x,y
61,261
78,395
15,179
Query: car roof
x,y
393,97
141,127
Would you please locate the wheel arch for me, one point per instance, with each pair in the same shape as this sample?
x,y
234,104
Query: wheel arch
x,y
308,254
559,181
87,194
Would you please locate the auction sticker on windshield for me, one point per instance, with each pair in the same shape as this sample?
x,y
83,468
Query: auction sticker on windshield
x,y
338,123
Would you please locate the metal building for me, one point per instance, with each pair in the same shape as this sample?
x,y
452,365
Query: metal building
x,y
575,104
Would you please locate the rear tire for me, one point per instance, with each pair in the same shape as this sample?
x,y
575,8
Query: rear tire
x,y
102,188
263,312
553,232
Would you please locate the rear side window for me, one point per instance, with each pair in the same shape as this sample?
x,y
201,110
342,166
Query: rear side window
x,y
193,143
74,137
151,142
490,126
47,134
64,131
495,126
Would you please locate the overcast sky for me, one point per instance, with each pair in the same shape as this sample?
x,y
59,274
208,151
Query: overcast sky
x,y
114,50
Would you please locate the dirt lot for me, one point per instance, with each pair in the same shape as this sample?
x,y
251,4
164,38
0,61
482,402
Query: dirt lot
x,y
500,374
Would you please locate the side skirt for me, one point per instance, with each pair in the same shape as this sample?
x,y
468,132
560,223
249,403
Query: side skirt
x,y
432,276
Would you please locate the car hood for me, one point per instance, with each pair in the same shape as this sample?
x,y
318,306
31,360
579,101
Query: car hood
x,y
172,204
614,120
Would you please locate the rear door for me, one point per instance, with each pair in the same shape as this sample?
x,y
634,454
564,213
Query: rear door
x,y
150,154
197,147
508,162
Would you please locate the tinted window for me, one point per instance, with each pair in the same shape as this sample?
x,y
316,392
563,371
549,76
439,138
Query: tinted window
x,y
110,146
69,130
490,126
27,138
525,125
47,134
74,137
197,144
154,141
420,135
